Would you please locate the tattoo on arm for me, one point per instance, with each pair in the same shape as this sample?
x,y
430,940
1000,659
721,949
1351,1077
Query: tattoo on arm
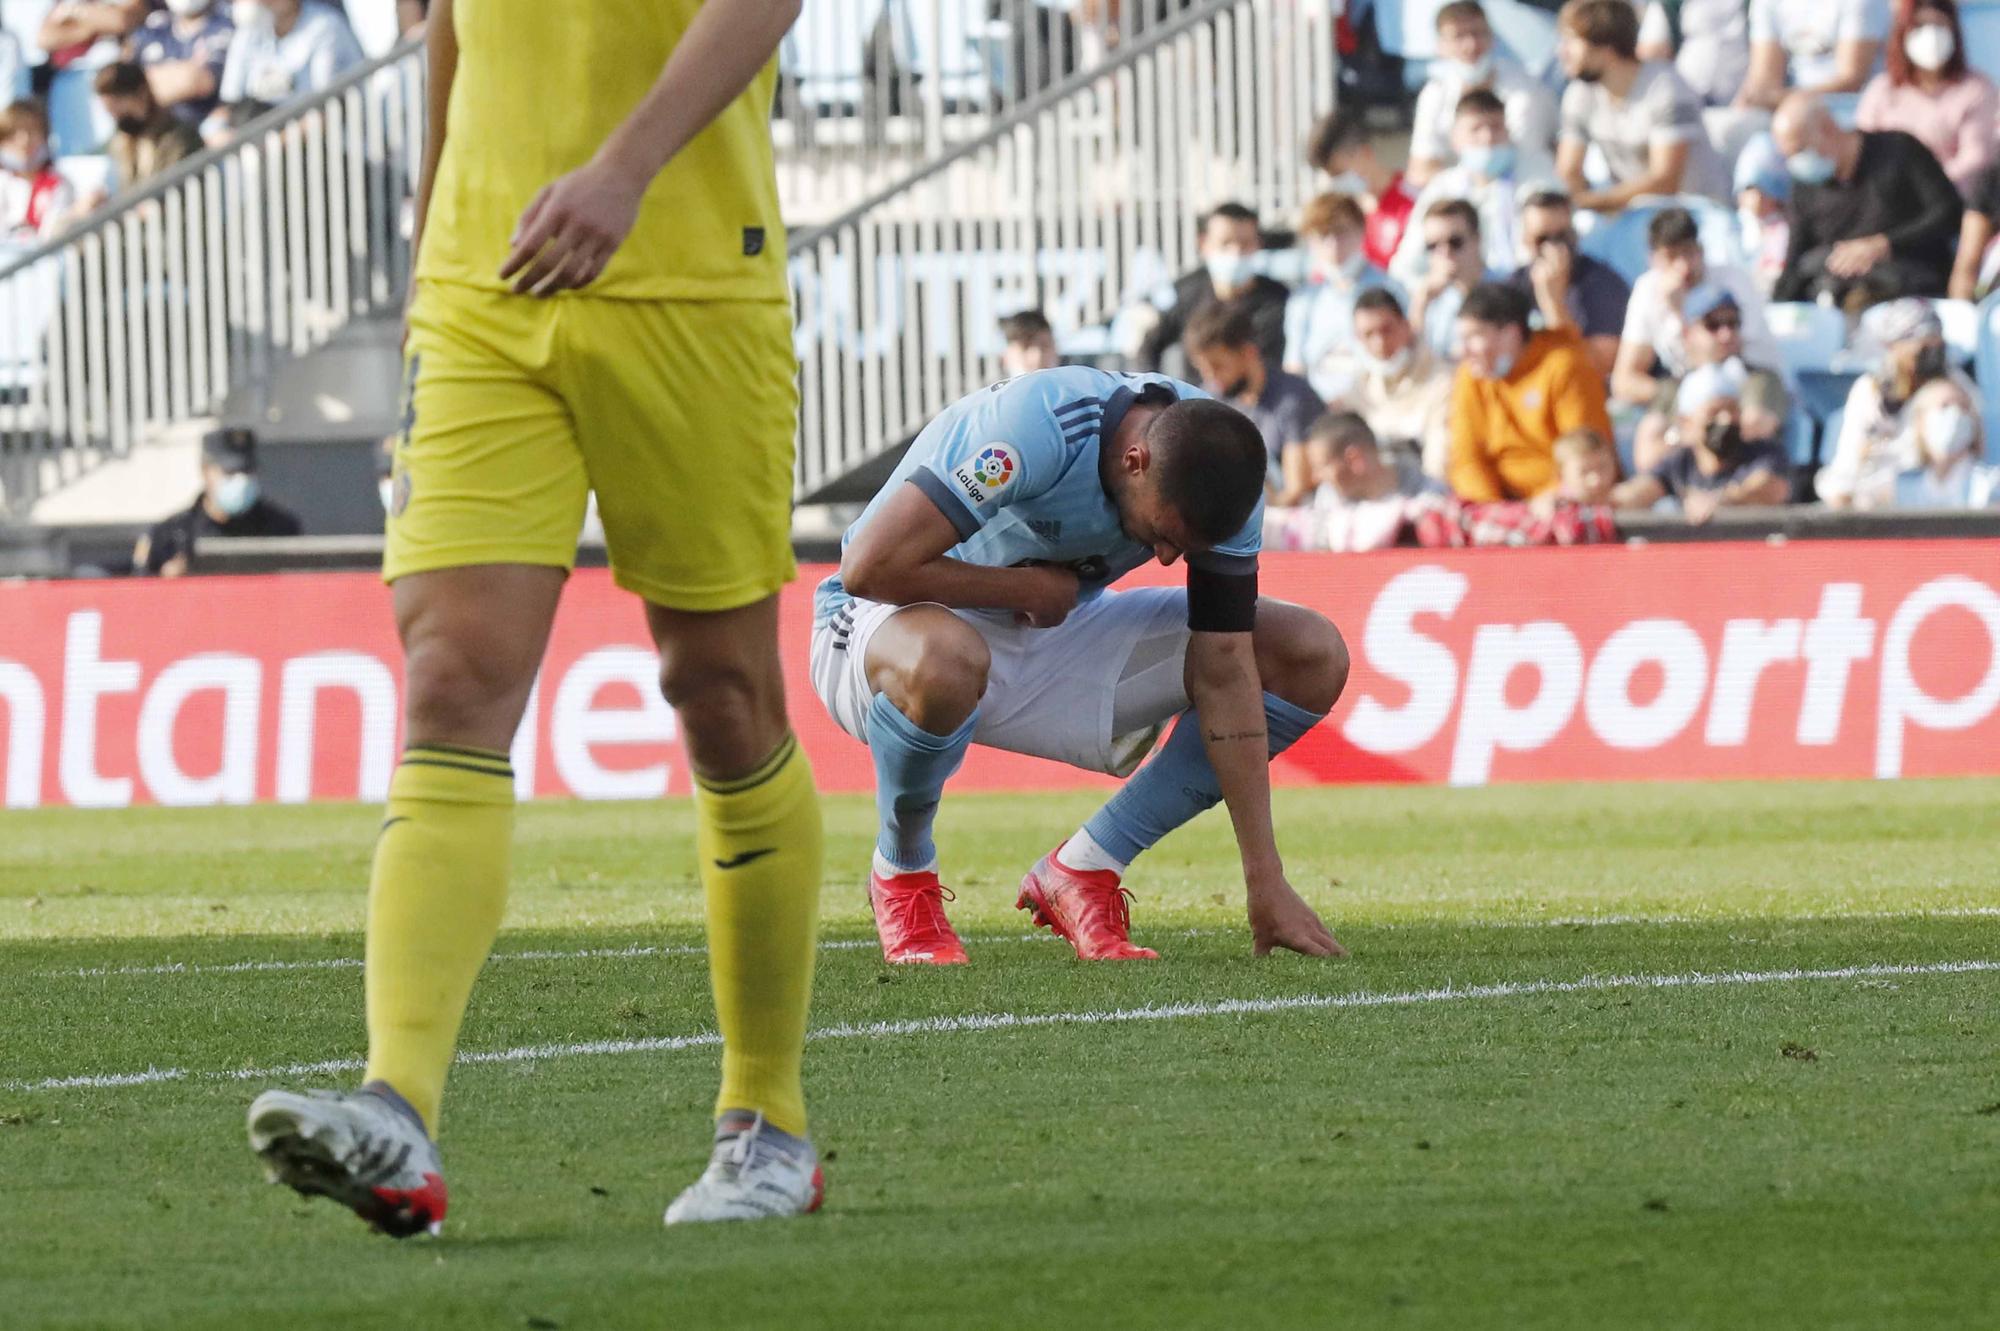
x,y
1219,737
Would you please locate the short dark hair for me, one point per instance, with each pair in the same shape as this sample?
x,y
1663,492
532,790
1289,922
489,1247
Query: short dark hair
x,y
1210,463
1480,102
1612,23
123,79
1342,429
1672,228
1550,196
1334,134
1220,323
1498,303
1232,210
1379,298
1461,11
1449,208
1025,326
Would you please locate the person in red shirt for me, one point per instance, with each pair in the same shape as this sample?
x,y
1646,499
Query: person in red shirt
x,y
1340,146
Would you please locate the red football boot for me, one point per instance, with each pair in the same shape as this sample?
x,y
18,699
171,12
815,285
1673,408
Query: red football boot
x,y
1089,908
909,917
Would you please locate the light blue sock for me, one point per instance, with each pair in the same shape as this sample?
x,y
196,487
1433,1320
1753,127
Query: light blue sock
x,y
911,767
1179,782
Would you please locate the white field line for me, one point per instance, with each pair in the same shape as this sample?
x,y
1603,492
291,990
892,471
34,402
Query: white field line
x,y
852,944
994,1021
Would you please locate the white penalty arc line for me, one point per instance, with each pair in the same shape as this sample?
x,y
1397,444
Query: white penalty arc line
x,y
642,950
996,1021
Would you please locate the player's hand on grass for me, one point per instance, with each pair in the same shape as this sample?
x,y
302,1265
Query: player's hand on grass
x,y
1280,917
1049,593
571,230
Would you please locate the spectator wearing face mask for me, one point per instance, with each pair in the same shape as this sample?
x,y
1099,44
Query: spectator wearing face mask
x,y
1873,215
1359,494
1228,244
1222,347
1639,115
150,138
1401,387
1712,331
1571,289
1928,91
1454,264
1340,147
1708,42
1716,466
1763,187
35,200
183,49
1950,440
230,504
1824,46
1486,175
1653,345
1875,441
285,49
1516,392
1030,344
1978,260
1469,60
1319,316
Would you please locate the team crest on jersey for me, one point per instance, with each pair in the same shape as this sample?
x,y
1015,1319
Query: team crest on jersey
x,y
986,475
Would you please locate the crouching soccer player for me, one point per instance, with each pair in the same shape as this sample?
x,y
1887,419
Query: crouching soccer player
x,y
972,606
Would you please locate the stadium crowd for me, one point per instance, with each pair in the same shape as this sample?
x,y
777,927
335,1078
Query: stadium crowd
x,y
101,95
1465,361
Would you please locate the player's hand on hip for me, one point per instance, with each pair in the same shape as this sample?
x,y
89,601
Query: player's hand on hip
x,y
1279,917
571,230
1049,594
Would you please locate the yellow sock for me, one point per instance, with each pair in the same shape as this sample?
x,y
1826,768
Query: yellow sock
x,y
434,904
759,842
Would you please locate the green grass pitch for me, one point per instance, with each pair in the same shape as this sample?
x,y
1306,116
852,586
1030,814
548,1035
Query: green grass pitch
x,y
1605,1056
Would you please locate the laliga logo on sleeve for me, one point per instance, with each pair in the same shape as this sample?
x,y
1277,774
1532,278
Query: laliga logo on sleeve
x,y
987,474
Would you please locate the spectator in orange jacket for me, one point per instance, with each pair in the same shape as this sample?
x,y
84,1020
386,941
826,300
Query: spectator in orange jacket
x,y
1516,393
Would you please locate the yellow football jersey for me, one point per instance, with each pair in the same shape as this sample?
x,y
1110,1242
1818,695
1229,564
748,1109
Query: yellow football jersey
x,y
540,85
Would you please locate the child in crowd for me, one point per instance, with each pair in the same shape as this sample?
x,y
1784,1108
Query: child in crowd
x,y
35,200
1031,344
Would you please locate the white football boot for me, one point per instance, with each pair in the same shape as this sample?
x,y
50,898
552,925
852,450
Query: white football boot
x,y
367,1151
752,1177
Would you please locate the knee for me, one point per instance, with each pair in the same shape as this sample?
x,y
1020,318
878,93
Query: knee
x,y
943,681
1306,662
730,713
464,687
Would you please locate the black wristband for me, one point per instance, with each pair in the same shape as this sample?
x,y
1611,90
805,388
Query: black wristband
x,y
1221,602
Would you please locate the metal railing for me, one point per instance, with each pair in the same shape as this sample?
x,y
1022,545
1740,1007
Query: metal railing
x,y
158,306
1082,200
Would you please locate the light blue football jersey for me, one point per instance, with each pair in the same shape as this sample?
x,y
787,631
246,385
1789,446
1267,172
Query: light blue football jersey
x,y
1014,467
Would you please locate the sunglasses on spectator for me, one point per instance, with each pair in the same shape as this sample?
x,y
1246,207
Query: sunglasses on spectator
x,y
1722,323
1565,238
1453,243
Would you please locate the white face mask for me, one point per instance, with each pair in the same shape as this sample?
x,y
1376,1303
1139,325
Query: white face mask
x,y
1464,75
1228,271
22,166
236,493
189,8
1947,431
1348,182
1389,366
247,13
1929,47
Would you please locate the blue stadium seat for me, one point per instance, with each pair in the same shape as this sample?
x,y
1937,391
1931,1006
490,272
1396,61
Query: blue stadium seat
x,y
1986,356
1809,336
1980,21
1802,438
78,122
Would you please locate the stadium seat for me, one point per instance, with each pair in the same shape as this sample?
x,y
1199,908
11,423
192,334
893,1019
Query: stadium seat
x,y
1620,239
1809,336
78,122
1961,328
1986,357
1980,22
1802,438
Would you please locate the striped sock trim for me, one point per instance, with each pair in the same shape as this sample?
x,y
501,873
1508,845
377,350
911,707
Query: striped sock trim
x,y
764,771
479,761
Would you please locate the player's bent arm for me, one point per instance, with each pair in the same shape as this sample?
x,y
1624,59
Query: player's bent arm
x,y
899,558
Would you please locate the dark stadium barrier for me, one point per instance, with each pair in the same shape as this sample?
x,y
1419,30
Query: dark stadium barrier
x,y
1734,659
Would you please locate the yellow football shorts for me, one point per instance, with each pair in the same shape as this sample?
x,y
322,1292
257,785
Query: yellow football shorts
x,y
680,415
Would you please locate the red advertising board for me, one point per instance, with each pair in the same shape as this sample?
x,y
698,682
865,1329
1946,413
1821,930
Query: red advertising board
x,y
1820,659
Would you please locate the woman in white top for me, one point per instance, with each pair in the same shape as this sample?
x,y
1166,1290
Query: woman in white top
x,y
1951,440
1875,442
